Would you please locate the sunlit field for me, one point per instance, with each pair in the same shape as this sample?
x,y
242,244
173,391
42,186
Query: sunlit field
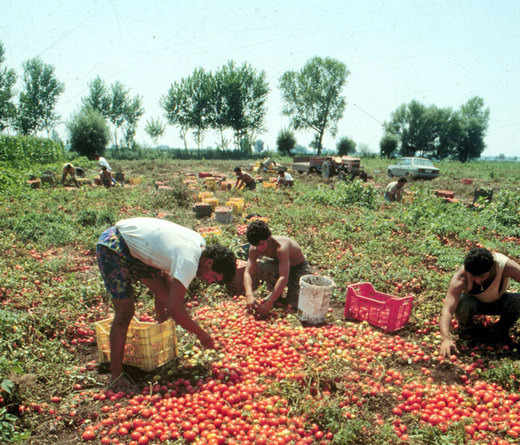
x,y
272,381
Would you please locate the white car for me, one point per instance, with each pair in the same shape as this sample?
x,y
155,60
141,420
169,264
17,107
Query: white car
x,y
416,168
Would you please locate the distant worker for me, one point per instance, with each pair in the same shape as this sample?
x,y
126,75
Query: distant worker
x,y
394,191
80,173
106,177
284,179
69,170
244,180
268,164
102,162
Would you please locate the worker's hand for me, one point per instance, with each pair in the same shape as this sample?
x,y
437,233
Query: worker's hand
x,y
446,346
250,303
263,308
206,341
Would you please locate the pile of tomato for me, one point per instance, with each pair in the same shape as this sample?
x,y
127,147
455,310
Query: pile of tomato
x,y
241,229
488,408
232,405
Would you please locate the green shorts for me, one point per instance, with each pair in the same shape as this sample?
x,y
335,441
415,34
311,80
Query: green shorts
x,y
119,269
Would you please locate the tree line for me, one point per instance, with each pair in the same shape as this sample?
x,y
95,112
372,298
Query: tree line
x,y
438,133
232,101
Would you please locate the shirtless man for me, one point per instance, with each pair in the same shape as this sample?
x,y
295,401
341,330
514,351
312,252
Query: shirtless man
x,y
244,179
69,170
284,266
480,287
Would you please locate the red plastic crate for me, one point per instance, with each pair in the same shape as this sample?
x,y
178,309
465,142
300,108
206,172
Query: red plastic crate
x,y
382,310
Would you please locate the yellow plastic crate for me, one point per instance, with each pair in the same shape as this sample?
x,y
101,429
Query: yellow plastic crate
x,y
238,207
135,181
148,345
210,231
203,195
212,201
269,185
237,199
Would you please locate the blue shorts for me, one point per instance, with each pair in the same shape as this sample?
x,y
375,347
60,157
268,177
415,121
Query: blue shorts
x,y
119,269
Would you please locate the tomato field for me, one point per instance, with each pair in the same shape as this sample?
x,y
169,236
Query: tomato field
x,y
272,381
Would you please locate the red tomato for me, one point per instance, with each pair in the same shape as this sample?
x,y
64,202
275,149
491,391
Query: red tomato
x,y
122,431
189,436
88,435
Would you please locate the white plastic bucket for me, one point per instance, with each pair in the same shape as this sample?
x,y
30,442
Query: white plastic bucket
x,y
314,298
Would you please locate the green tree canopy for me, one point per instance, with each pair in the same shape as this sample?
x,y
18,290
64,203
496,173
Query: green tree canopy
x,y
199,91
38,98
231,98
116,105
88,132
219,107
312,96
346,146
133,112
388,144
285,141
411,124
118,99
440,132
475,121
7,81
155,129
176,107
245,95
98,98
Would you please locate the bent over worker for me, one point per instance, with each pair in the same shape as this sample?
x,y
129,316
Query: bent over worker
x,y
69,170
283,266
480,287
165,257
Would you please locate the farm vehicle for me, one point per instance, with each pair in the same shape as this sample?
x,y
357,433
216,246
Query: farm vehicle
x,y
328,166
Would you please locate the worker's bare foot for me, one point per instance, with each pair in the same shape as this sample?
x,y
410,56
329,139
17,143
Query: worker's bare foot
x,y
121,383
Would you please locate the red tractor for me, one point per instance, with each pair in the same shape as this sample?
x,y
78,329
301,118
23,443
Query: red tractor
x,y
328,166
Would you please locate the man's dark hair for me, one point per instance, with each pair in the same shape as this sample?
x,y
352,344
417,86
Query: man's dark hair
x,y
402,180
96,155
257,231
237,169
224,261
478,261
281,171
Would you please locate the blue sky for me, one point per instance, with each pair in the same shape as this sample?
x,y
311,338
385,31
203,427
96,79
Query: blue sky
x,y
440,53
